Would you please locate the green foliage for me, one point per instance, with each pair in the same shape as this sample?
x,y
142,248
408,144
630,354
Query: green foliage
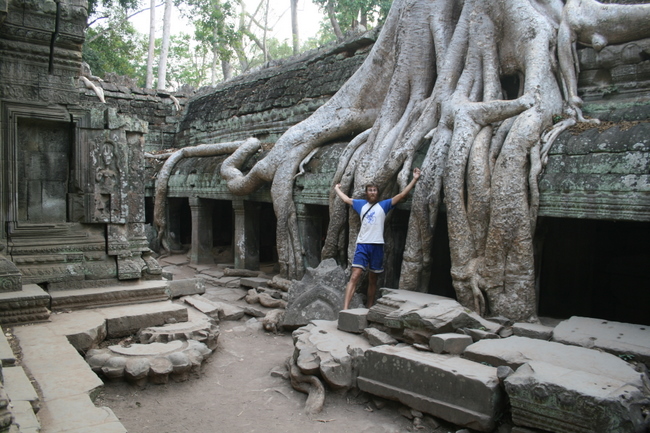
x,y
350,12
115,46
93,5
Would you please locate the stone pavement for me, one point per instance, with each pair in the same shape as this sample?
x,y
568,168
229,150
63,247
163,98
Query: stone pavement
x,y
50,388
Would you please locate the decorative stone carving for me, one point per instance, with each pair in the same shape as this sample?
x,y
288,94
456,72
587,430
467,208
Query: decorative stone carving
x,y
155,362
10,277
204,331
318,296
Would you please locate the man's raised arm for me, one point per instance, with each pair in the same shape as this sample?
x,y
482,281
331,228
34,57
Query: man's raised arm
x,y
342,195
399,197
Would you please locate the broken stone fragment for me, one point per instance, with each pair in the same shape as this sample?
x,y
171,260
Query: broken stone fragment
x,y
428,314
354,320
549,397
203,330
377,338
320,348
453,344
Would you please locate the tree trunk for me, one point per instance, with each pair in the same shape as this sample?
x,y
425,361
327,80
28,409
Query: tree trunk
x,y
335,24
294,27
152,44
162,64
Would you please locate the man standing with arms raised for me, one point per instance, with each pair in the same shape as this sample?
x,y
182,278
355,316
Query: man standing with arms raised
x,y
369,254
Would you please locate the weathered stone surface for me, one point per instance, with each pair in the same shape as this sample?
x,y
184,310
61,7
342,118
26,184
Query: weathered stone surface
x,y
320,348
533,330
204,305
31,304
354,320
156,361
203,330
129,324
454,344
186,287
613,337
318,296
434,314
516,351
254,282
454,389
10,277
19,388
142,291
553,398
377,338
7,356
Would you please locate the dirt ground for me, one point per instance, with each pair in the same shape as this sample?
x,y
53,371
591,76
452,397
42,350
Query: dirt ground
x,y
240,389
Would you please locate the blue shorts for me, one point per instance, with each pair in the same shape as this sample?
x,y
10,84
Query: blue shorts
x,y
369,256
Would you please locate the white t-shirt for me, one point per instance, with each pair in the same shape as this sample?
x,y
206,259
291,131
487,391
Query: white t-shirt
x,y
372,226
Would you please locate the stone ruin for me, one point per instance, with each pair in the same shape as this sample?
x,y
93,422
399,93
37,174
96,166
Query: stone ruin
x,y
77,197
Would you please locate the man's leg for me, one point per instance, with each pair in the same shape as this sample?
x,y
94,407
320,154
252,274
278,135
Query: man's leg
x,y
372,288
352,286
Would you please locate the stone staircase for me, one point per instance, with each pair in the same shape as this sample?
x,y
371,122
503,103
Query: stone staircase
x,y
66,385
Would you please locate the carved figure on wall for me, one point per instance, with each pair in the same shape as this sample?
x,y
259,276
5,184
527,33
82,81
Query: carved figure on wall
x,y
107,182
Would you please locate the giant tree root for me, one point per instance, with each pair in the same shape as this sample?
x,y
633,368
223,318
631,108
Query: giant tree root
x,y
309,385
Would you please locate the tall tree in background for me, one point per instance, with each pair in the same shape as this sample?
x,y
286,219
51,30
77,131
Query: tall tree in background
x,y
294,27
162,63
354,15
152,44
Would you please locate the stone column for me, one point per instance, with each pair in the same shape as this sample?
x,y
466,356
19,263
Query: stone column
x,y
201,251
247,235
309,226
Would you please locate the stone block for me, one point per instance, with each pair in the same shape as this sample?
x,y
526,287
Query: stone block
x,y
186,287
29,305
122,294
254,282
129,324
457,390
533,330
354,320
19,388
25,417
7,356
557,399
516,351
613,337
204,305
378,338
451,343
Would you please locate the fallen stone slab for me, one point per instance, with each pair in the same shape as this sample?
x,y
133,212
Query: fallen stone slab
x,y
532,330
254,282
7,356
516,351
227,281
322,349
186,287
156,315
400,309
242,273
25,417
203,330
354,320
553,398
623,339
453,344
19,388
377,338
457,390
204,305
155,362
